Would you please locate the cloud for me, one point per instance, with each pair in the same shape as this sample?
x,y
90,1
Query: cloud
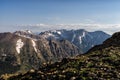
x,y
109,28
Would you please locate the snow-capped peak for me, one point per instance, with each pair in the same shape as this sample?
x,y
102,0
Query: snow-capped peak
x,y
26,31
23,32
27,34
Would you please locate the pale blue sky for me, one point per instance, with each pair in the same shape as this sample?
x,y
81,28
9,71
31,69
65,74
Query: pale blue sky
x,y
18,12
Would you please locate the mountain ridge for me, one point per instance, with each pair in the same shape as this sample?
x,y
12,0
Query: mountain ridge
x,y
83,39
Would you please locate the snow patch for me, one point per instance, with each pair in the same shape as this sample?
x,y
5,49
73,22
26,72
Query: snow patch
x,y
80,38
26,31
34,45
29,31
73,37
19,45
58,32
83,35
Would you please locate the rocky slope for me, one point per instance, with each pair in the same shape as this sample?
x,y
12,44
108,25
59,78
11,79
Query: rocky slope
x,y
83,39
102,62
22,52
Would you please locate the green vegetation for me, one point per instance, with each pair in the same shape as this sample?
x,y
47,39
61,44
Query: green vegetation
x,y
99,64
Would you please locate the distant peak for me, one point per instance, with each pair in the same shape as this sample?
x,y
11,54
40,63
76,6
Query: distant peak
x,y
26,31
81,30
23,32
99,31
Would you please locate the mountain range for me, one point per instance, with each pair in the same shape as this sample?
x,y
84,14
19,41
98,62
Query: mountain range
x,y
102,62
21,51
83,39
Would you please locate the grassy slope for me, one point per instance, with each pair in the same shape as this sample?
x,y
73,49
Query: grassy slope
x,y
98,64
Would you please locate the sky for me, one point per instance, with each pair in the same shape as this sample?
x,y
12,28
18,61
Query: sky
x,y
41,15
